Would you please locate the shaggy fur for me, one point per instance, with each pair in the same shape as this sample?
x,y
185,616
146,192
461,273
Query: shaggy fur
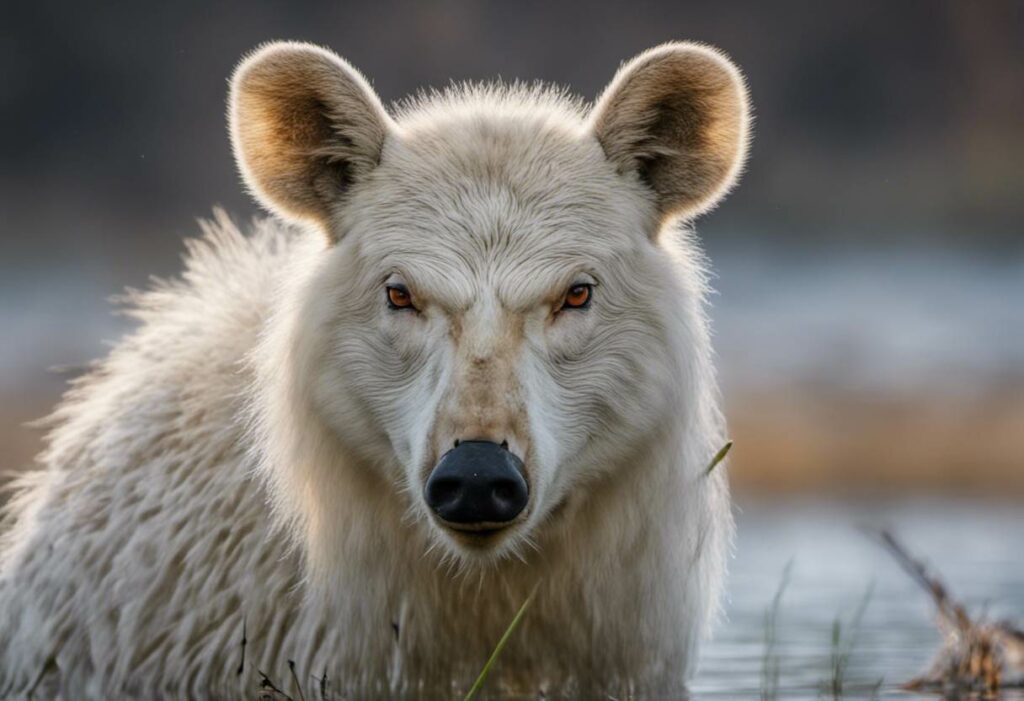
x,y
253,457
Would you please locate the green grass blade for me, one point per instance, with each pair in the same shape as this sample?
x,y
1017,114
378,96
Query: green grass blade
x,y
719,457
771,664
478,684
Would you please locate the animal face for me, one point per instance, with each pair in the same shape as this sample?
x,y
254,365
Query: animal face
x,y
499,323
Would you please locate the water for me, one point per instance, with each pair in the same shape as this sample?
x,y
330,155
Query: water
x,y
976,547
869,319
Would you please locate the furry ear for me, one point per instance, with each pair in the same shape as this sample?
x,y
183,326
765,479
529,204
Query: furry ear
x,y
677,116
304,126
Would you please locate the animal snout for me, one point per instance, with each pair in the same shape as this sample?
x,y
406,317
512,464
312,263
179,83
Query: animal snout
x,y
478,483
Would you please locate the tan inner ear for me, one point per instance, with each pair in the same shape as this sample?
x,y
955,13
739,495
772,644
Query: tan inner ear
x,y
676,116
280,147
305,126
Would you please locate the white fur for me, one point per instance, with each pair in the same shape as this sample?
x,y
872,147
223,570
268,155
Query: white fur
x,y
255,452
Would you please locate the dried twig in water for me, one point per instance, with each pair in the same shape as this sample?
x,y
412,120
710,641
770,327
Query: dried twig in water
x,y
977,655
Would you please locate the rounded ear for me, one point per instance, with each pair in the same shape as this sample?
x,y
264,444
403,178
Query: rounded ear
x,y
305,126
678,117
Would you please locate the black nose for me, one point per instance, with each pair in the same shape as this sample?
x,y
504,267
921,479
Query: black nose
x,y
477,482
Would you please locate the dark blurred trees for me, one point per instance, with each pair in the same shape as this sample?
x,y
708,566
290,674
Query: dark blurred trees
x,y
876,120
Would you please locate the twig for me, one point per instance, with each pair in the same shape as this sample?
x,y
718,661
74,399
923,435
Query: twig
x,y
951,612
272,693
977,656
241,666
295,678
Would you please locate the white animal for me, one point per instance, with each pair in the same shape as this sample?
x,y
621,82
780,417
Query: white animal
x,y
275,452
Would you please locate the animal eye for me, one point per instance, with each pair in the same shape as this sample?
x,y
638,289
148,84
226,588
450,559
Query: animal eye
x,y
399,297
578,296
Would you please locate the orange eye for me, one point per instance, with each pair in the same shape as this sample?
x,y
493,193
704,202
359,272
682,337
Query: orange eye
x,y
399,297
578,296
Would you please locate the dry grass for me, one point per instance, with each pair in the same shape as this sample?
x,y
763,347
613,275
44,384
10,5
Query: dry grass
x,y
977,656
811,441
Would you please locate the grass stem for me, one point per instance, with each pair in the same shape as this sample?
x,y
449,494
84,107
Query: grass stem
x,y
719,457
478,684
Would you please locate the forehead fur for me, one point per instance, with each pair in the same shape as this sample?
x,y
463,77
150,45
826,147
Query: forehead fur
x,y
484,179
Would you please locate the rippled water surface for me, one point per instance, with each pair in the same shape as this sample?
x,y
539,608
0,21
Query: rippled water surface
x,y
977,548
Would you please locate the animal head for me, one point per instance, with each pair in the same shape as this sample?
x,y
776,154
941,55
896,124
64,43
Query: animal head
x,y
497,318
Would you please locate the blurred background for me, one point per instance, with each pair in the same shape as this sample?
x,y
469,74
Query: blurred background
x,y
870,267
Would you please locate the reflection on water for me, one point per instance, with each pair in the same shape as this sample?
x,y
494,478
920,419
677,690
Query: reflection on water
x,y
976,547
